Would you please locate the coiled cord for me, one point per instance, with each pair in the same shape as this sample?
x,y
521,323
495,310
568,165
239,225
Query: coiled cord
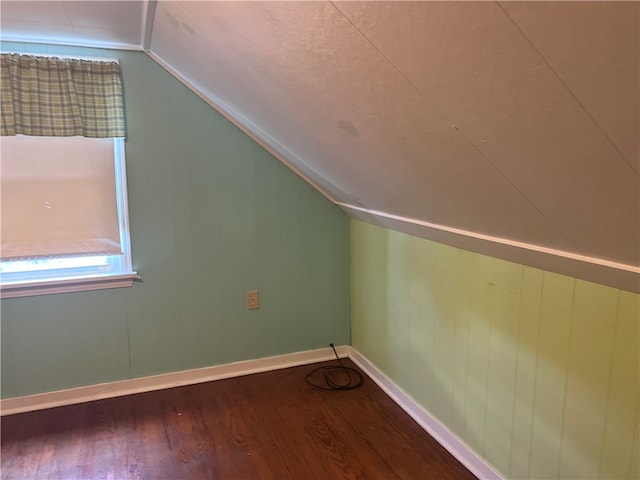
x,y
354,378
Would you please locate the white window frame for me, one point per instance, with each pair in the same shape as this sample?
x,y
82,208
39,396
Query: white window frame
x,y
107,272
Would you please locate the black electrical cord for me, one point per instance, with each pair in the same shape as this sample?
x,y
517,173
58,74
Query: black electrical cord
x,y
353,376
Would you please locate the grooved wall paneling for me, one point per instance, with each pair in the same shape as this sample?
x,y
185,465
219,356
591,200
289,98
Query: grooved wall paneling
x,y
536,371
212,215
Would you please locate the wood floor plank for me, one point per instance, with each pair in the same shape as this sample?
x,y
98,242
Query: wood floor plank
x,y
270,425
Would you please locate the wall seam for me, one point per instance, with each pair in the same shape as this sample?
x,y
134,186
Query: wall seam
x,y
566,375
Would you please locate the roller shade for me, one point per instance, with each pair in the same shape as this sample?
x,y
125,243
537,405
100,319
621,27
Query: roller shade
x,y
58,197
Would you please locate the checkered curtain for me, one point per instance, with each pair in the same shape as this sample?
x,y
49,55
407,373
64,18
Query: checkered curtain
x,y
59,97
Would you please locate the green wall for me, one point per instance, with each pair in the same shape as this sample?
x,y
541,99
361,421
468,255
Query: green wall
x,y
537,372
212,215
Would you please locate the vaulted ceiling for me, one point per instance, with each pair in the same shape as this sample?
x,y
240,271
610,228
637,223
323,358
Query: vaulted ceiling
x,y
509,128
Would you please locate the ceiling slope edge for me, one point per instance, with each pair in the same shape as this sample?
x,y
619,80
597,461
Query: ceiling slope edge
x,y
146,29
597,270
617,275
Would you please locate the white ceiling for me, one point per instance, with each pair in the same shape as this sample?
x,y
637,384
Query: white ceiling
x,y
109,24
508,128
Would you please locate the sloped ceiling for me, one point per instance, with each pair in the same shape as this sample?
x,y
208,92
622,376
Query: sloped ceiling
x,y
506,128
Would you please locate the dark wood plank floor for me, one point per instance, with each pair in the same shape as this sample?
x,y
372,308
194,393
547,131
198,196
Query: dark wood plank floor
x,y
264,426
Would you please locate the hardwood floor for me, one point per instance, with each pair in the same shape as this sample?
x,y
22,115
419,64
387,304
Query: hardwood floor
x,y
264,426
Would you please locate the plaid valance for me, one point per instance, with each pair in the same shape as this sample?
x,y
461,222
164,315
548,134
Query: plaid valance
x,y
61,97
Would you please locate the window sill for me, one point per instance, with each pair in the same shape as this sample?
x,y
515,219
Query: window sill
x,y
67,285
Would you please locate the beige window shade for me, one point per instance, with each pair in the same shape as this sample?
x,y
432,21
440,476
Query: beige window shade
x,y
58,197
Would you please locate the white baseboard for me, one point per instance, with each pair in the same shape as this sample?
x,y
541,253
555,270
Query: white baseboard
x,y
462,452
454,445
40,401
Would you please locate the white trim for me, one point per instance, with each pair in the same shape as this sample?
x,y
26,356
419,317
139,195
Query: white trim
x,y
122,199
243,123
148,15
40,401
71,43
499,240
67,285
454,445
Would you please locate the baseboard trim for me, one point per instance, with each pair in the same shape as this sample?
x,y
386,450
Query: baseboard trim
x,y
454,445
40,401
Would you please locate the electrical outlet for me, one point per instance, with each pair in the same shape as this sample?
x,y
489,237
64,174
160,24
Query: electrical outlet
x,y
253,300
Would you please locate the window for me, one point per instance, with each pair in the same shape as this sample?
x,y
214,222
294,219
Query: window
x,y
64,215
64,222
